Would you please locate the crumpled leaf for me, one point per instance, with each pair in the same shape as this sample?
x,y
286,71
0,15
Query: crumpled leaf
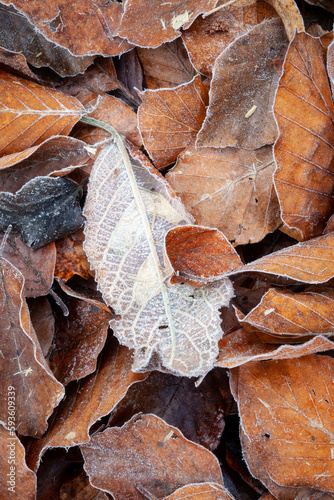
x,y
141,456
30,113
291,422
159,22
22,365
169,119
203,491
304,110
245,79
229,189
129,209
198,255
71,258
43,210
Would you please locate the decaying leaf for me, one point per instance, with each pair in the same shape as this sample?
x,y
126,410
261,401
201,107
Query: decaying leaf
x,y
203,491
30,113
304,151
43,210
141,455
71,258
199,255
229,189
129,209
43,322
291,422
245,78
169,119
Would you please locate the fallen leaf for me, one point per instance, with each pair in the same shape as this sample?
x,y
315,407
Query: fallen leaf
x,y
129,208
130,465
43,210
43,322
204,491
23,367
243,87
325,4
30,113
81,489
229,189
304,152
130,74
71,258
290,15
159,22
291,404
15,61
330,63
206,38
198,255
169,119
166,66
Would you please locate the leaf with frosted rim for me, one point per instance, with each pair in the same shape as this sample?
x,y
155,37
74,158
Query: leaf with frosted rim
x,y
129,209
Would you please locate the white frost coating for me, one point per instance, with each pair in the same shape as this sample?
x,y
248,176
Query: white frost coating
x,y
128,213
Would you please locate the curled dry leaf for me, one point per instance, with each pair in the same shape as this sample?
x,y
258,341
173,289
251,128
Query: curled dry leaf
x,y
71,258
203,491
169,119
15,61
30,114
166,66
304,151
207,38
149,23
198,255
43,321
23,367
290,15
141,456
242,93
290,317
229,189
291,422
129,209
325,4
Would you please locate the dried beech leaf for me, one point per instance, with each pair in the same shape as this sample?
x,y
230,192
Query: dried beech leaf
x,y
199,255
229,189
169,119
291,422
207,38
307,262
304,151
159,22
290,15
291,316
57,155
330,64
141,454
242,93
43,322
44,210
12,60
30,114
71,258
129,209
167,66
204,491
17,481
22,364
87,401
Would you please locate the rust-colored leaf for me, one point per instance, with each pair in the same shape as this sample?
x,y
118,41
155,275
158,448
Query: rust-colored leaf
x,y
291,422
245,78
204,491
30,114
290,15
229,189
304,151
199,255
149,23
71,258
141,456
169,119
43,322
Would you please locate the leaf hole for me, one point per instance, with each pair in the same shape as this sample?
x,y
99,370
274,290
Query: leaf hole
x,y
256,200
266,435
55,23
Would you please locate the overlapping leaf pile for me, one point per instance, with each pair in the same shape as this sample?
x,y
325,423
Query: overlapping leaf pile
x,y
167,249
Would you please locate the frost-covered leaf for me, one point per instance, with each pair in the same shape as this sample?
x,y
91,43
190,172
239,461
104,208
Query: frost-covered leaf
x,y
129,209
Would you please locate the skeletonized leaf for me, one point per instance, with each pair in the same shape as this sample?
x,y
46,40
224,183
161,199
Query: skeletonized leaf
x,y
304,151
129,209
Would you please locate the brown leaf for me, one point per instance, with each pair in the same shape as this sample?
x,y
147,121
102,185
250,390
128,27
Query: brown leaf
x,y
245,78
87,401
80,489
169,119
159,22
71,258
167,66
290,424
207,38
17,480
43,322
141,454
304,151
13,60
291,317
229,189
30,114
22,363
198,255
204,491
290,15
198,412
330,63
